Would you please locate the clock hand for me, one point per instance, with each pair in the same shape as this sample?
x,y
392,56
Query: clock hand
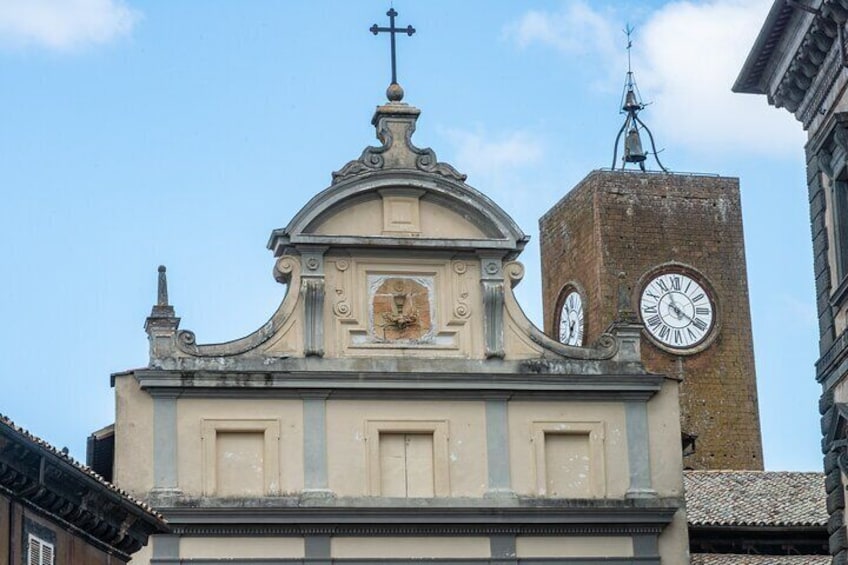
x,y
674,307
679,311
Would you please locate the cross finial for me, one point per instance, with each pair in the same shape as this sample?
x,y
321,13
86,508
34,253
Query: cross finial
x,y
394,92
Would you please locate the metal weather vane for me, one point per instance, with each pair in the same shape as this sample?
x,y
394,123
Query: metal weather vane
x,y
394,92
632,105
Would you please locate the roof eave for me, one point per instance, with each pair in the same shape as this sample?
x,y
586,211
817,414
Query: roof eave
x,y
750,80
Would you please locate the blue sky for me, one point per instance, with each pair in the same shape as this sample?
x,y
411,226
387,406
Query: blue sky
x,y
138,133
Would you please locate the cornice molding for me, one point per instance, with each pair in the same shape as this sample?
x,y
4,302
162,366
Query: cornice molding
x,y
45,482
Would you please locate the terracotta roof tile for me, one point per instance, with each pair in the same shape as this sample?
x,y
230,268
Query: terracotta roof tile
x,y
4,421
755,498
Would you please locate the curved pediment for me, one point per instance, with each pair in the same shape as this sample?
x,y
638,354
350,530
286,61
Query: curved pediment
x,y
402,209
398,257
400,196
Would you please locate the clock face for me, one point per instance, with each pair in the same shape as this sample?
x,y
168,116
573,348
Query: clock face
x,y
676,310
571,319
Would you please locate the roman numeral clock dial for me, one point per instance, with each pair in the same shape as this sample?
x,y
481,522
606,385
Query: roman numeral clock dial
x,y
571,319
677,311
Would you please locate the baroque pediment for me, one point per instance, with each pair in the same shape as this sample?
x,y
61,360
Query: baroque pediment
x,y
398,257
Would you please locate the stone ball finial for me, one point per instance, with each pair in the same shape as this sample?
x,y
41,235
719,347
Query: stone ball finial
x,y
394,93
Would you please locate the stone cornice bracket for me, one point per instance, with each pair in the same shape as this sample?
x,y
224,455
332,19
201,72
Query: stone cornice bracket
x,y
492,280
162,324
840,136
312,289
395,124
825,162
34,473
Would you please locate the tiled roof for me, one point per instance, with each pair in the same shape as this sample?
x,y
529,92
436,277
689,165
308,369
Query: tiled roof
x,y
6,422
755,498
742,559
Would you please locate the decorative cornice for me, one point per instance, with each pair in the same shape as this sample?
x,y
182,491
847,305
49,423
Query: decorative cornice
x,y
812,40
536,379
47,481
376,516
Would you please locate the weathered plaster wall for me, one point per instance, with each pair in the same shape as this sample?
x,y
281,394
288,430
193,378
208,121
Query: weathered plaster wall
x,y
527,449
194,440
348,437
133,437
553,546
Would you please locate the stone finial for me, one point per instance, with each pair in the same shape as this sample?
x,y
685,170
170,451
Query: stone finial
x,y
162,324
394,92
162,294
162,309
395,123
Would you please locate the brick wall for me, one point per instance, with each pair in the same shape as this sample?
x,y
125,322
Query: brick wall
x,y
616,221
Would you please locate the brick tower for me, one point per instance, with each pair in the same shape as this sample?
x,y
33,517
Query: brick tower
x,y
678,240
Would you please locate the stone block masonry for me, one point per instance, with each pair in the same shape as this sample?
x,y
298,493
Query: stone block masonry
x,y
640,223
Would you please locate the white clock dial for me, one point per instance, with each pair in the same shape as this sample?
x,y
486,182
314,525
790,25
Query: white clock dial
x,y
571,319
676,310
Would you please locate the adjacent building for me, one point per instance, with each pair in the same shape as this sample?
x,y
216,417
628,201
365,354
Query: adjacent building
x,y
800,62
55,511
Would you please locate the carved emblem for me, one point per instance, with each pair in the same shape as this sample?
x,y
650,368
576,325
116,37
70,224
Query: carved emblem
x,y
401,308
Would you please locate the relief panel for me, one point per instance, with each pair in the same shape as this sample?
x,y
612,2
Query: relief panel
x,y
401,309
378,307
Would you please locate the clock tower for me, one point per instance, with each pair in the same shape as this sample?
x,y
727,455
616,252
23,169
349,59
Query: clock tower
x,y
667,251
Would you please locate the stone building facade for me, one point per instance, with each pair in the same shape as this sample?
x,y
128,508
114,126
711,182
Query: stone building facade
x,y
621,230
800,62
398,406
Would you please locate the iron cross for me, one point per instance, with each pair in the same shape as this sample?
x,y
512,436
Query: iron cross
x,y
392,30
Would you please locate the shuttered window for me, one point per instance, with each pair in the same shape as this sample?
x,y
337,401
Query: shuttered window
x,y
40,552
840,220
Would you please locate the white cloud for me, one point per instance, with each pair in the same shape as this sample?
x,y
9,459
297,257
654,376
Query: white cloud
x,y
64,24
481,154
693,53
577,29
687,56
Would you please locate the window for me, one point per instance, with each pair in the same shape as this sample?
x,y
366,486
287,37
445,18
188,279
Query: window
x,y
569,459
406,464
408,458
241,457
39,551
840,228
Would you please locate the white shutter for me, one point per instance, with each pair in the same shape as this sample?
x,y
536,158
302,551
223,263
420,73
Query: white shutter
x,y
46,554
34,551
40,552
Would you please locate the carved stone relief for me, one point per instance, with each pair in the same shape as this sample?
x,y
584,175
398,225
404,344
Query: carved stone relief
x,y
461,306
341,305
401,308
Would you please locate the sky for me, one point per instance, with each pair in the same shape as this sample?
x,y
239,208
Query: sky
x,y
134,134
